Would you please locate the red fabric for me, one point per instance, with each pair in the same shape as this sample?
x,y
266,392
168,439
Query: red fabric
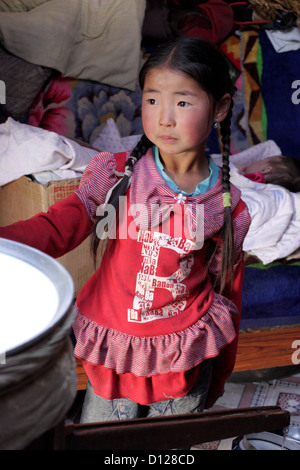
x,y
144,390
224,363
258,177
108,384
214,23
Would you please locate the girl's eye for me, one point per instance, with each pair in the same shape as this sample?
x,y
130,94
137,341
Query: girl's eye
x,y
183,104
152,101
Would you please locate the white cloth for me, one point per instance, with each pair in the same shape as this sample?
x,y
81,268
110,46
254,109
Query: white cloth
x,y
252,154
26,149
275,218
110,139
275,212
283,41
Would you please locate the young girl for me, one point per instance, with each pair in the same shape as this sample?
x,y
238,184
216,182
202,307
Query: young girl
x,y
157,324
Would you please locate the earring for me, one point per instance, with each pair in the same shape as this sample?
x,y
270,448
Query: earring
x,y
216,124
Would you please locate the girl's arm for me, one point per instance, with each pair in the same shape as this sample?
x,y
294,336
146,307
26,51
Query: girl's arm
x,y
69,222
61,229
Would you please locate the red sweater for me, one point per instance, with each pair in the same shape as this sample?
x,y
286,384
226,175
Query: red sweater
x,y
149,316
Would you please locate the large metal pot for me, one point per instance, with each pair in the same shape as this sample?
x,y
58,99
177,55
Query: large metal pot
x,y
37,369
267,441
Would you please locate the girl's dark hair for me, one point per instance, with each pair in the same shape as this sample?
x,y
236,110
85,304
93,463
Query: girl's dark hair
x,y
205,63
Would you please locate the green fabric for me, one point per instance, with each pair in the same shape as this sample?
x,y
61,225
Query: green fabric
x,y
264,117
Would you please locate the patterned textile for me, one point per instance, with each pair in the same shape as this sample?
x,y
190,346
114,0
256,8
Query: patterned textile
x,y
80,108
250,49
239,123
264,105
243,51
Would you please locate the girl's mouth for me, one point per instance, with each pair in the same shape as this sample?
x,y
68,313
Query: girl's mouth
x,y
168,139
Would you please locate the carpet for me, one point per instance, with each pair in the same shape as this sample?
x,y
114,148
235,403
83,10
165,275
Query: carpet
x,y
283,392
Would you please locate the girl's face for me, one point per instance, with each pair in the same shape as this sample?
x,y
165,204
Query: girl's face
x,y
177,113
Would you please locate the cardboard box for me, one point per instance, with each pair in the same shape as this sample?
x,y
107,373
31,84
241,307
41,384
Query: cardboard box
x,y
23,198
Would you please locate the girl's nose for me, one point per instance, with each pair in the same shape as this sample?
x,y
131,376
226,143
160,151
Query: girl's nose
x,y
166,118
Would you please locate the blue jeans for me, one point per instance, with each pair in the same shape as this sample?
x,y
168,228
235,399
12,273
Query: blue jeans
x,y
96,409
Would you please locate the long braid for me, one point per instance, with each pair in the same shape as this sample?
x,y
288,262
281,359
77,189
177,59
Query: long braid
x,y
119,190
226,272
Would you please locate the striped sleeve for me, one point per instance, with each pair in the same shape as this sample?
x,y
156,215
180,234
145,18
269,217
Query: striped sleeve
x,y
96,181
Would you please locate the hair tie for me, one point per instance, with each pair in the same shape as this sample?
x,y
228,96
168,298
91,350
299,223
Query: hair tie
x,y
226,200
133,160
126,172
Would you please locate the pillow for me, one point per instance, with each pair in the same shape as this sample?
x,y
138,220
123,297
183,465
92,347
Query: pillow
x,y
101,39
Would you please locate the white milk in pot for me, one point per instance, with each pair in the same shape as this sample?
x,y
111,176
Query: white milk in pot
x,y
28,302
